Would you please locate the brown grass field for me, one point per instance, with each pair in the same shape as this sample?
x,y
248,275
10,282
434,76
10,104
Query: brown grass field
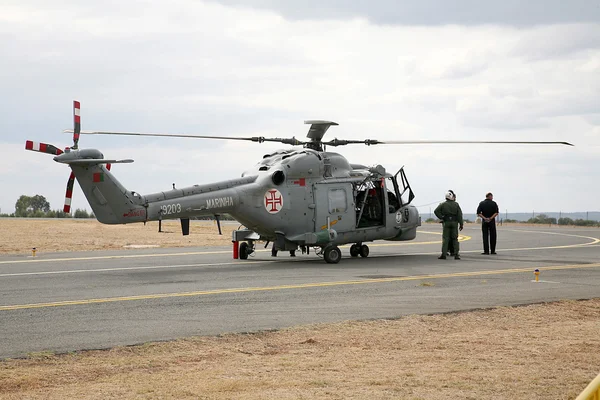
x,y
20,235
542,351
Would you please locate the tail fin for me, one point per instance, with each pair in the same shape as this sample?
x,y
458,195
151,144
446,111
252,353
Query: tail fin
x,y
110,201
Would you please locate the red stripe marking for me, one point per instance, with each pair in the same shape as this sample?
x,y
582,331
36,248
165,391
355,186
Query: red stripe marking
x,y
67,209
43,147
77,118
76,104
29,145
58,152
69,194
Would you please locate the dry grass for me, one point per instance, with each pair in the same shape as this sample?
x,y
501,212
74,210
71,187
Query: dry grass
x,y
535,352
20,235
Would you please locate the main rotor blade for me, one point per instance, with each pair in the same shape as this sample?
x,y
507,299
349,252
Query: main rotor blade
x,y
343,142
259,139
369,142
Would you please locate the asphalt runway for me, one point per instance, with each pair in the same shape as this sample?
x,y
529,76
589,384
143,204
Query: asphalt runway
x,y
63,302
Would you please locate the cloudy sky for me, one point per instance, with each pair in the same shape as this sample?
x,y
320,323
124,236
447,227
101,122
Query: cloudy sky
x,y
386,69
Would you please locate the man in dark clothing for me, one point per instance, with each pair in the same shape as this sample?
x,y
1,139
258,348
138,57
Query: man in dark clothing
x,y
450,212
451,251
488,211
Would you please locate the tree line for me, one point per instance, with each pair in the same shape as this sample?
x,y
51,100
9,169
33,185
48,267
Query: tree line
x,y
543,219
38,207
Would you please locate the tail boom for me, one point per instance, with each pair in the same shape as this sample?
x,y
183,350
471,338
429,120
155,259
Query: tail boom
x,y
112,203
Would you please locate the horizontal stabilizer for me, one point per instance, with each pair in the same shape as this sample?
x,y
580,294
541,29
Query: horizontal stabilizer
x,y
92,161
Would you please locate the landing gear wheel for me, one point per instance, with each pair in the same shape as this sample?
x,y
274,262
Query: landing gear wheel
x,y
332,254
354,250
244,251
364,251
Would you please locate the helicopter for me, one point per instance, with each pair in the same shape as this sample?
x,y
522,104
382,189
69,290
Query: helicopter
x,y
296,198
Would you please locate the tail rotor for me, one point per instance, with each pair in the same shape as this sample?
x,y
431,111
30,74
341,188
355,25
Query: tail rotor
x,y
50,149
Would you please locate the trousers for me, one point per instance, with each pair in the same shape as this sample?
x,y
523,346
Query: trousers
x,y
488,231
450,234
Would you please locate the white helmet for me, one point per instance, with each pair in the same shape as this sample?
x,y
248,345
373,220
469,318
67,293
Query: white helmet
x,y
450,195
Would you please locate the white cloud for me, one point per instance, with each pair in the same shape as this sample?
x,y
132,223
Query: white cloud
x,y
206,68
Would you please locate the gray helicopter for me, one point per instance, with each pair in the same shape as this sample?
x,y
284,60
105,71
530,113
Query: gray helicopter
x,y
296,198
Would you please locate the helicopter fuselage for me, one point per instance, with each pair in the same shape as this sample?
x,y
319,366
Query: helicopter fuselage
x,y
293,197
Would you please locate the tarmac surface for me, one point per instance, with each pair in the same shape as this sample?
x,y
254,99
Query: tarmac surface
x,y
63,302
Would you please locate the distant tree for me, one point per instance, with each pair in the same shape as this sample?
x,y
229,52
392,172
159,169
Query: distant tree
x,y
62,214
430,220
37,214
542,219
31,206
565,221
585,222
22,205
39,203
79,213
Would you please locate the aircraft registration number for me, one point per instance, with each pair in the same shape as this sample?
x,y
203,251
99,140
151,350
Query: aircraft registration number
x,y
170,208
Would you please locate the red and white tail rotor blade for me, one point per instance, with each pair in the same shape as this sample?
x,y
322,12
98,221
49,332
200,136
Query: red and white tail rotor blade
x,y
76,123
42,148
69,194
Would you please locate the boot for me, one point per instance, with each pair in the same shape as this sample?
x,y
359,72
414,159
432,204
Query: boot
x,y
442,257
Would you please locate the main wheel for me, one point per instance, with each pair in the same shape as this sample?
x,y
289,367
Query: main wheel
x,y
364,251
243,251
332,254
354,250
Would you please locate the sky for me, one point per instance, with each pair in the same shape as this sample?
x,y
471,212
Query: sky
x,y
386,70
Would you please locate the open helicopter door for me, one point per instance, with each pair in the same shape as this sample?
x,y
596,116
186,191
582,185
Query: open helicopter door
x,y
406,195
407,216
334,209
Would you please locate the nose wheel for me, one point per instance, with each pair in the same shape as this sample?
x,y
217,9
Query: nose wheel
x,y
332,254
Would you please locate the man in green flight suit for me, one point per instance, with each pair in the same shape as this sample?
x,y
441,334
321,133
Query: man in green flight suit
x,y
451,215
